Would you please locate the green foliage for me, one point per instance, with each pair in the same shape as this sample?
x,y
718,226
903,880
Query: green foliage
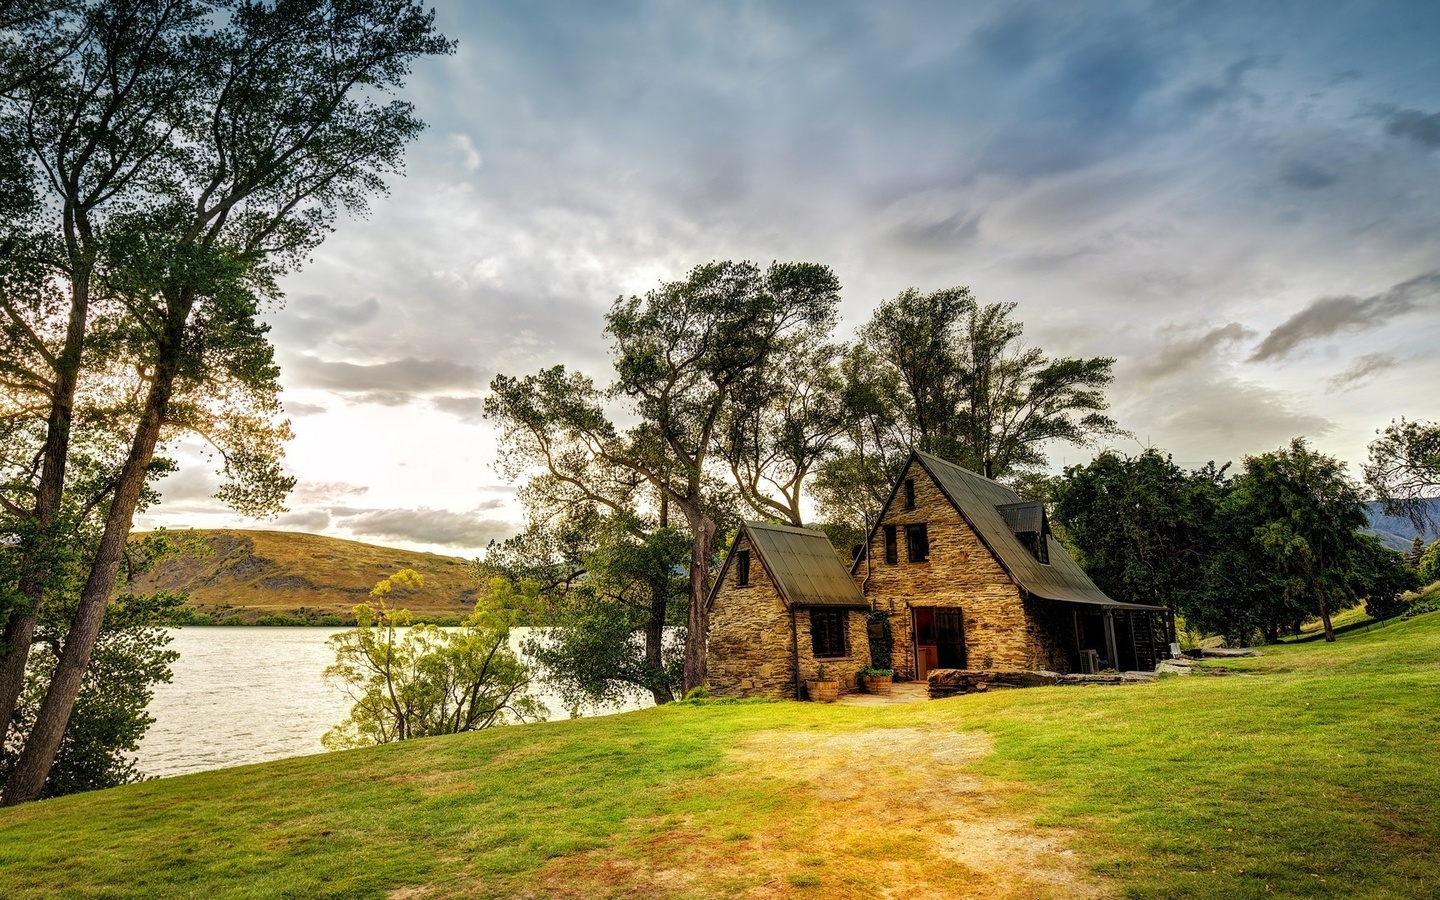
x,y
875,672
1428,568
1382,577
606,588
110,717
944,374
1404,469
410,681
882,639
1142,528
1245,556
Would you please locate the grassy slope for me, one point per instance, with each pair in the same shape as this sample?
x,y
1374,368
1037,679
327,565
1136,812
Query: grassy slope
x,y
1310,772
250,573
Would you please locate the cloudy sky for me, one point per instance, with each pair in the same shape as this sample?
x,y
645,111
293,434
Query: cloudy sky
x,y
1238,201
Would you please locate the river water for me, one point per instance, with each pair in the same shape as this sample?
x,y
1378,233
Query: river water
x,y
250,694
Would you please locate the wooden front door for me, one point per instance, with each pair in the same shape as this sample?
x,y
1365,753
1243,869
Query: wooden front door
x,y
939,639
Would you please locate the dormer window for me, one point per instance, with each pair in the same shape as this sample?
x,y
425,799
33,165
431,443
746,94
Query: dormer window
x,y
1031,527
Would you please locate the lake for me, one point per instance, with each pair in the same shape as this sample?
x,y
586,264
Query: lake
x,y
251,694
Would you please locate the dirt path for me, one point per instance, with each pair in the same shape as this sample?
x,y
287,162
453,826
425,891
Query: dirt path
x,y
880,812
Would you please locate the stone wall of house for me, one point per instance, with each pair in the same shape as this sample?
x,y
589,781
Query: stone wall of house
x,y
844,669
1000,632
749,648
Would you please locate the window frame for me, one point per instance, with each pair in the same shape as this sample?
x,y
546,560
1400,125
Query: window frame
x,y
826,626
892,545
911,545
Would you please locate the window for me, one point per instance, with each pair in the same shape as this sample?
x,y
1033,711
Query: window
x,y
742,568
827,632
909,493
917,543
892,551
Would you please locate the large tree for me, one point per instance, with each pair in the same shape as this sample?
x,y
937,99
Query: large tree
x,y
1143,528
783,425
1404,470
1306,516
267,119
943,373
686,354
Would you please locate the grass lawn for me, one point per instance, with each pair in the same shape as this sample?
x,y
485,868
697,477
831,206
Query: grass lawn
x,y
1311,771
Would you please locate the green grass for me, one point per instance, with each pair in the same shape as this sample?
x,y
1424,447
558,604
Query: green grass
x,y
1310,771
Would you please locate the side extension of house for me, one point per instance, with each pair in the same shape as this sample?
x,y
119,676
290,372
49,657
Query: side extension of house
x,y
783,607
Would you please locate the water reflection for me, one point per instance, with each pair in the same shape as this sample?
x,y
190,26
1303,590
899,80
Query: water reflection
x,y
250,694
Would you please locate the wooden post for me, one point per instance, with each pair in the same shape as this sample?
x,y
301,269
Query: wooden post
x,y
1110,644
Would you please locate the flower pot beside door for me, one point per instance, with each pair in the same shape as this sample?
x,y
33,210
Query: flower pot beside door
x,y
876,681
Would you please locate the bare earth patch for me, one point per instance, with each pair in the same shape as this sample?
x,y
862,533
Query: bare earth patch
x,y
881,812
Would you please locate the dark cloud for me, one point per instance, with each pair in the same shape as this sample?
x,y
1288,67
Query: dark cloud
x,y
1309,176
311,319
387,382
1221,418
1329,316
192,482
426,526
1182,353
298,410
1363,370
311,520
319,491
1207,96
1412,124
467,409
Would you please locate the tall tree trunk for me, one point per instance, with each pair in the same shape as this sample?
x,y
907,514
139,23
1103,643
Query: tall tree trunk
x,y
33,767
654,647
698,622
20,628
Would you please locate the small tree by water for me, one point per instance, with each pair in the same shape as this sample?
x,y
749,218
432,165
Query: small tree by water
x,y
410,681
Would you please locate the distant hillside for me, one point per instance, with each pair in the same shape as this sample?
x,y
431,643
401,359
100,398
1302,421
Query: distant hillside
x,y
254,573
1396,531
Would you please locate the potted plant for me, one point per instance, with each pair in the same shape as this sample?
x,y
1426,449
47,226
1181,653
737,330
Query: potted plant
x,y
876,681
822,688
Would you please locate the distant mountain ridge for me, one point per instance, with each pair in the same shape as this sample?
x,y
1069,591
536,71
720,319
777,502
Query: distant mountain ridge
x,y
1397,532
249,574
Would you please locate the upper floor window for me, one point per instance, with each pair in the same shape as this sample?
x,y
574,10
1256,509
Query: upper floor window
x,y
742,568
917,543
892,546
909,493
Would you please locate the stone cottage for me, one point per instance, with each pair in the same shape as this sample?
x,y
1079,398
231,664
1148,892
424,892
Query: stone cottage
x,y
783,607
967,574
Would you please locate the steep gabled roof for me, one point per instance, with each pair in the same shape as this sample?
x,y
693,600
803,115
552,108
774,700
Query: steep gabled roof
x,y
986,505
801,563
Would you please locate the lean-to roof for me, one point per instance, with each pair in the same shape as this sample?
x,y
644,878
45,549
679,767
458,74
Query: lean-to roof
x,y
986,505
801,563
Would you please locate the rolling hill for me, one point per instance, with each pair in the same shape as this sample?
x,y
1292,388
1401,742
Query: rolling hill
x,y
249,574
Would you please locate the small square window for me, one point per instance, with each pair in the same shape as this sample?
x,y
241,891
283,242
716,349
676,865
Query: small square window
x,y
917,543
827,632
742,568
892,546
909,493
